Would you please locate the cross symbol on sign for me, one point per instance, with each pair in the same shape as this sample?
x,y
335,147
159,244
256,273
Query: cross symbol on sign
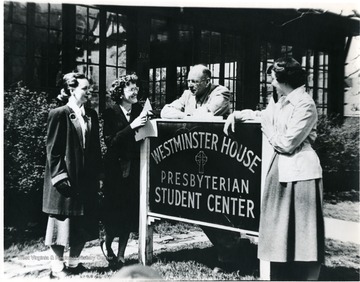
x,y
201,160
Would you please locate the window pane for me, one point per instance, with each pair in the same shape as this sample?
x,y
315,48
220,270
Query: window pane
x,y
81,22
7,11
122,56
40,75
81,52
55,37
7,36
185,33
41,15
19,12
93,50
159,31
81,68
40,42
18,68
111,53
110,75
93,20
56,16
18,44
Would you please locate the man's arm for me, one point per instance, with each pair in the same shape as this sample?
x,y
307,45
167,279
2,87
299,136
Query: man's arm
x,y
175,110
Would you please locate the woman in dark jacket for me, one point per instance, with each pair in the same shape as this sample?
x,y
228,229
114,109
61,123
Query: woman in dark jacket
x,y
72,176
122,161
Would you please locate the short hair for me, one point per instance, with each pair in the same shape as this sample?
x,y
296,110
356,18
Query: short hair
x,y
117,86
288,70
70,81
205,70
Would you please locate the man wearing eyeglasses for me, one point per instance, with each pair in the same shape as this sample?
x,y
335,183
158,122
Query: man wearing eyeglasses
x,y
201,99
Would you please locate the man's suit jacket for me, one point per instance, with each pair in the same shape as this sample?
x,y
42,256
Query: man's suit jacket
x,y
67,159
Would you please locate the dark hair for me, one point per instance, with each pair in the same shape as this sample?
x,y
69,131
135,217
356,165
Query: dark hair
x,y
117,86
69,81
288,70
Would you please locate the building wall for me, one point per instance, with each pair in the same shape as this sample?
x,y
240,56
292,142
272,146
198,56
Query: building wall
x,y
43,41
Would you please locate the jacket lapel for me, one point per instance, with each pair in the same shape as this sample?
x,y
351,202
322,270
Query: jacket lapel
x,y
120,114
76,124
89,121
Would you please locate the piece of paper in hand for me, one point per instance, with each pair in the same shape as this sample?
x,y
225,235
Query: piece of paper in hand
x,y
147,106
150,127
148,130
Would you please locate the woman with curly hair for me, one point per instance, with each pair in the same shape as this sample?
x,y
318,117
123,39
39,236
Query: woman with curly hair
x,y
122,165
291,232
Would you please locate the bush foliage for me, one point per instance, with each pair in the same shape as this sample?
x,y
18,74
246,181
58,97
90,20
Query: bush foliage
x,y
338,144
25,119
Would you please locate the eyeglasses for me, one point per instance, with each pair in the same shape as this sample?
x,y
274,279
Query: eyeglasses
x,y
192,81
132,90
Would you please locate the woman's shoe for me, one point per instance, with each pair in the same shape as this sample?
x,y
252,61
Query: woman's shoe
x,y
110,256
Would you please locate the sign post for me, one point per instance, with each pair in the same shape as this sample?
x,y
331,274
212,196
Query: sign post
x,y
192,172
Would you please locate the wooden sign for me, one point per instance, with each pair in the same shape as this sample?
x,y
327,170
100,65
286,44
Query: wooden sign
x,y
193,172
197,172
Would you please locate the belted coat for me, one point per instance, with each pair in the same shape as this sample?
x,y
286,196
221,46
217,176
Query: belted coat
x,y
68,158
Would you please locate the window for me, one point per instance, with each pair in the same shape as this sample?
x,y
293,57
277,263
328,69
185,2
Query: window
x,y
15,37
222,53
232,69
157,87
47,44
36,60
87,43
317,66
181,77
315,63
116,41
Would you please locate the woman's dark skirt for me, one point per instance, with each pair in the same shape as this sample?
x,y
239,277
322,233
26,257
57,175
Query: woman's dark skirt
x,y
121,206
291,221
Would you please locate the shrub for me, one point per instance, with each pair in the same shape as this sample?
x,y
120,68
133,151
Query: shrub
x,y
25,118
338,148
338,144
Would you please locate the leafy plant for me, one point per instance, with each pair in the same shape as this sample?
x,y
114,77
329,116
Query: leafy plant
x,y
25,119
338,144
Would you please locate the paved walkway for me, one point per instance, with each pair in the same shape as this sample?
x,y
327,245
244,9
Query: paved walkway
x,y
345,231
21,266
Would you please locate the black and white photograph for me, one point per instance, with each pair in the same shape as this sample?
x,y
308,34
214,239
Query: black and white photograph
x,y
180,140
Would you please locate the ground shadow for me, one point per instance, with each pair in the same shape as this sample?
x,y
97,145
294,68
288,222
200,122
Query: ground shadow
x,y
339,274
247,263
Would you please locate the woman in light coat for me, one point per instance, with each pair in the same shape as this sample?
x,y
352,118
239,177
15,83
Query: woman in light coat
x,y
291,233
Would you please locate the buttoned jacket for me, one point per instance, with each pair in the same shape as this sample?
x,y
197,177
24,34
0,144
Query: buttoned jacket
x,y
69,159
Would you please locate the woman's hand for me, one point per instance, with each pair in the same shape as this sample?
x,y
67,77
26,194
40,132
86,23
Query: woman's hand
x,y
230,122
139,121
64,188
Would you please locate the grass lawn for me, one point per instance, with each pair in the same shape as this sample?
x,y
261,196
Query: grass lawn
x,y
342,260
342,205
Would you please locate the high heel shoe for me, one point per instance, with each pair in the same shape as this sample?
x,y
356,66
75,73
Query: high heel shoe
x,y
109,255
